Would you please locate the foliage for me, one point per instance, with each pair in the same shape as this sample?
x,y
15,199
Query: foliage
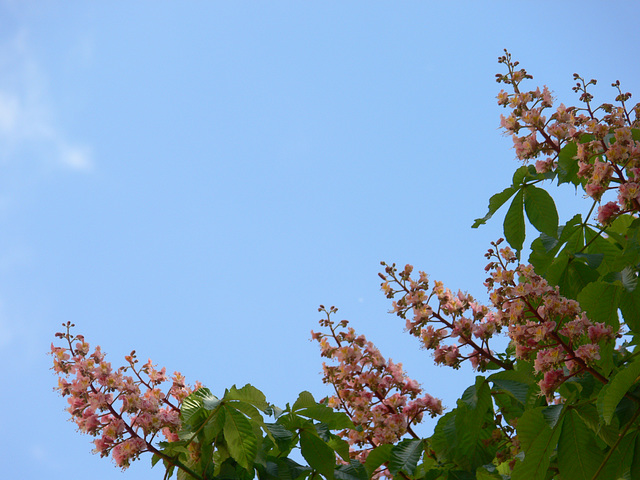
x,y
561,401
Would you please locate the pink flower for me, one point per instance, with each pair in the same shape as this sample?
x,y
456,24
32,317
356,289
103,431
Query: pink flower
x,y
551,380
588,353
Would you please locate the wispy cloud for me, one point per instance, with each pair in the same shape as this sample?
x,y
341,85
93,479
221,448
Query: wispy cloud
x,y
27,119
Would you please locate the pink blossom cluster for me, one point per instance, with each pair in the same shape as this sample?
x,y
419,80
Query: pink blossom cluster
x,y
123,412
608,157
453,325
377,395
544,327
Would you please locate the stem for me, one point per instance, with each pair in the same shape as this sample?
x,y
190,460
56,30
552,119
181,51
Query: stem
x,y
620,437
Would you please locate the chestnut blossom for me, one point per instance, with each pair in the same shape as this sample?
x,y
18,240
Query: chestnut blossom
x,y
376,393
543,326
123,412
608,157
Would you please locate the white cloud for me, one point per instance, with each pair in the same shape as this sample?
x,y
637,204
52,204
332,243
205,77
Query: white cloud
x,y
27,120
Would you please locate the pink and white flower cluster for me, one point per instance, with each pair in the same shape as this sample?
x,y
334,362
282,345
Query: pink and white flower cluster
x,y
376,393
436,315
608,156
123,412
544,327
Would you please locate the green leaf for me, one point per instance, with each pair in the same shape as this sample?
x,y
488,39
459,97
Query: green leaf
x,y
635,463
444,438
578,455
514,222
248,394
611,394
305,400
287,469
193,404
627,278
495,202
552,414
593,260
213,427
541,210
379,455
474,413
601,300
488,472
619,463
589,415
334,420
538,442
278,431
522,174
405,456
516,383
630,308
567,165
320,456
354,471
575,278
340,446
240,439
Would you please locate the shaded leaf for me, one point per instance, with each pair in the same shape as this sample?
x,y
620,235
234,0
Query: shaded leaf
x,y
541,210
552,414
630,308
567,165
578,455
405,456
601,300
320,456
514,382
538,442
611,394
354,471
379,455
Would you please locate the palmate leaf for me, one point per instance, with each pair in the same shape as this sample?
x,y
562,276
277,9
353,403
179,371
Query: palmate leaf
x,y
514,382
601,301
618,465
495,202
514,222
379,455
305,399
334,420
278,468
248,394
538,442
630,308
473,413
578,454
567,165
354,471
239,437
405,456
541,210
321,457
194,404
611,394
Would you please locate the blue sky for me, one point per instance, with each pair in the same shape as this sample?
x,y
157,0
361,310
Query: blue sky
x,y
192,179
